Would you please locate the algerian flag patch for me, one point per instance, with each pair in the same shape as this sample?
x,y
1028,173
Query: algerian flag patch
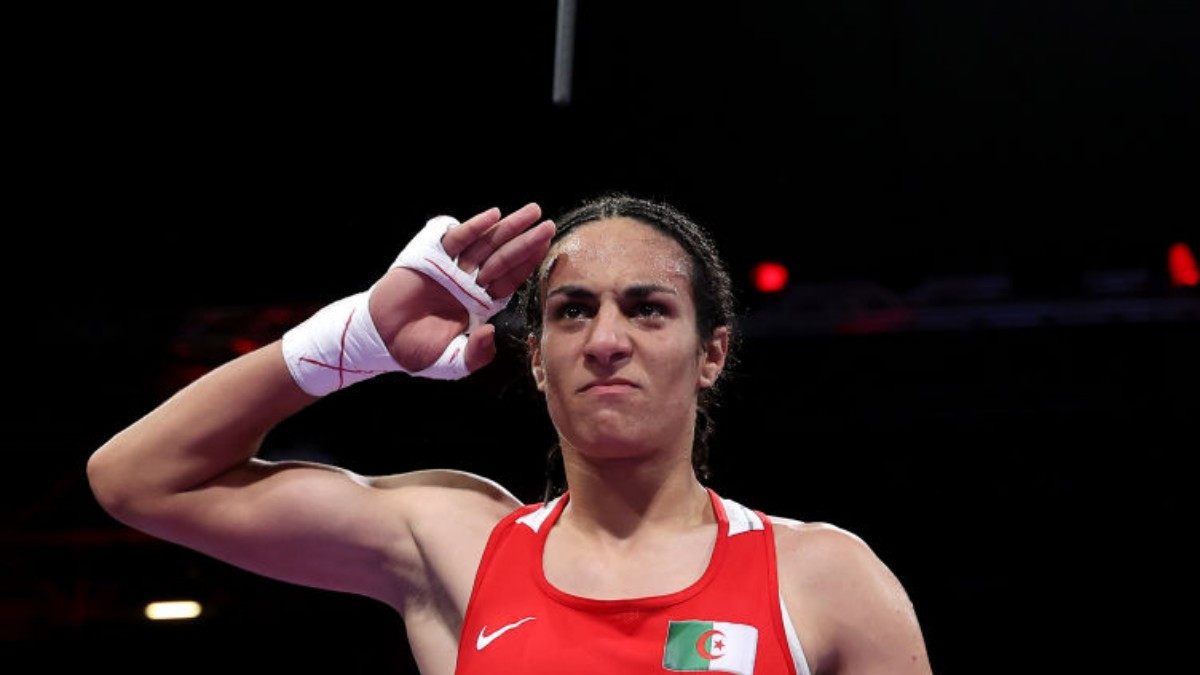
x,y
694,646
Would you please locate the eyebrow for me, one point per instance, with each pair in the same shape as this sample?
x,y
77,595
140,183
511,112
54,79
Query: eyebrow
x,y
635,291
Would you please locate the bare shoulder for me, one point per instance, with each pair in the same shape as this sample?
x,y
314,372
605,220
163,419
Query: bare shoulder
x,y
818,547
448,478
437,500
835,587
811,554
447,512
465,505
449,516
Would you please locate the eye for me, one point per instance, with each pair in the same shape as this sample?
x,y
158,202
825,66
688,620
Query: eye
x,y
650,310
572,310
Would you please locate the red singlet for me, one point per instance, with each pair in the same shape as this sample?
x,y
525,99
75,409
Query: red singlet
x,y
729,621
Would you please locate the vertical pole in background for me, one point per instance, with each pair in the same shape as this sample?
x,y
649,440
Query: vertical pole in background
x,y
564,51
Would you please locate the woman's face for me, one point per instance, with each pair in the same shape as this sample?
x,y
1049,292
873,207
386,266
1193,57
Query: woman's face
x,y
619,359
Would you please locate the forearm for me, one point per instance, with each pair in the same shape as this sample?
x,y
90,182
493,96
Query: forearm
x,y
152,471
213,425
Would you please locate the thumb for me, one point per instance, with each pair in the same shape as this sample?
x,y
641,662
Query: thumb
x,y
481,347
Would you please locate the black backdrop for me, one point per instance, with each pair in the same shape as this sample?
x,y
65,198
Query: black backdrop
x,y
190,178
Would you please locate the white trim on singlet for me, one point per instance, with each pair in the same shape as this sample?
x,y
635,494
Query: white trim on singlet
x,y
741,519
793,640
535,518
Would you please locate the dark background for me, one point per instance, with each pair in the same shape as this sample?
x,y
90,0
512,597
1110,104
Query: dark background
x,y
980,364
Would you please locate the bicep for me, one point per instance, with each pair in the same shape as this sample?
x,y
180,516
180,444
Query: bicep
x,y
297,522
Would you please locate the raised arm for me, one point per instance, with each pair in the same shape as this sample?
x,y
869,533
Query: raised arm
x,y
186,471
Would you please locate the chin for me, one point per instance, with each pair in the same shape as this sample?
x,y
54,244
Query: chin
x,y
619,440
603,439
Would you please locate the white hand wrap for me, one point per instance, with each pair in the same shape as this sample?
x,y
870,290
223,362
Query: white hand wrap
x,y
426,255
339,345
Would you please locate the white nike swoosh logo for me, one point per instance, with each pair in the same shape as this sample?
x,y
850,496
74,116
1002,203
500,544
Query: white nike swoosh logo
x,y
485,640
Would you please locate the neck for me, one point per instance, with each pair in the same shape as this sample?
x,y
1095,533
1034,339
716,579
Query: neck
x,y
624,496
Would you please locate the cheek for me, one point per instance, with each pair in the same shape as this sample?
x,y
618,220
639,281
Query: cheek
x,y
684,363
556,403
553,364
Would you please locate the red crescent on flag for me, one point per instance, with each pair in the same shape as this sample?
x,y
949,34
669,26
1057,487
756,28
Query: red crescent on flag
x,y
701,650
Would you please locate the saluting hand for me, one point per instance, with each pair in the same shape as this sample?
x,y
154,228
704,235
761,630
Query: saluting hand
x,y
417,317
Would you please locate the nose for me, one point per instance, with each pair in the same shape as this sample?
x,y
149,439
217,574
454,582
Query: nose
x,y
608,337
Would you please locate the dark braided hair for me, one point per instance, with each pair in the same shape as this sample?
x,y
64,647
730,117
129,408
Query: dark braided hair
x,y
712,291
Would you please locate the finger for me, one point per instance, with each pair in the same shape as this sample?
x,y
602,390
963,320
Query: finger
x,y
499,234
462,235
520,256
481,347
510,281
508,267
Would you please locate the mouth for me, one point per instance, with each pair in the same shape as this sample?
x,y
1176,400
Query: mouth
x,y
610,385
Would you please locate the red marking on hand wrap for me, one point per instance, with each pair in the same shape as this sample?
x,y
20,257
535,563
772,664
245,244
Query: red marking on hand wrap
x,y
340,367
455,282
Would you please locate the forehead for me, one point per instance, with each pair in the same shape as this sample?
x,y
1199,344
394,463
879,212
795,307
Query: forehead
x,y
620,248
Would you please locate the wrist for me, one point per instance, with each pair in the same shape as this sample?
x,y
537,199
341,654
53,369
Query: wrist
x,y
336,347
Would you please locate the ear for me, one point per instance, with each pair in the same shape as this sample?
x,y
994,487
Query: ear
x,y
712,357
535,363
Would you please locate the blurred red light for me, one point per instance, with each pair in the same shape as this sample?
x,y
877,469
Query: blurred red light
x,y
1182,265
770,277
242,345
